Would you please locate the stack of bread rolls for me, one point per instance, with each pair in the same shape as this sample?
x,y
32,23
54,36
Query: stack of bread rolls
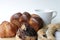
x,y
10,29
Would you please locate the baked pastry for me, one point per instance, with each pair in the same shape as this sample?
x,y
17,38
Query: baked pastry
x,y
36,22
48,32
26,33
7,29
25,17
52,28
42,33
27,14
15,19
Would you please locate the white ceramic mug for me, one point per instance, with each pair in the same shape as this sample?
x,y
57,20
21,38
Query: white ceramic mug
x,y
46,15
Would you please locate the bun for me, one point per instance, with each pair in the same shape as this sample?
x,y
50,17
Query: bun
x,y
27,14
25,17
36,22
15,19
7,29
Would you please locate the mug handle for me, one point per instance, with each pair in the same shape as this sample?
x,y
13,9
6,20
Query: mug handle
x,y
54,15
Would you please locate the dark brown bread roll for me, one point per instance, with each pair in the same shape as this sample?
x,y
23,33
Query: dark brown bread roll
x,y
36,22
25,17
27,14
15,19
7,29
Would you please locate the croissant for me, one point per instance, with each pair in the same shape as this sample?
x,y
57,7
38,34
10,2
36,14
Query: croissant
x,y
7,29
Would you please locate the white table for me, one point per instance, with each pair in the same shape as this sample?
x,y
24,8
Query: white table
x,y
57,35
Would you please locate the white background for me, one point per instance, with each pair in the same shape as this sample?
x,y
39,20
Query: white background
x,y
9,7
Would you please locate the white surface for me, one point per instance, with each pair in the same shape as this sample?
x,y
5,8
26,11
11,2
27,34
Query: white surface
x,y
57,35
9,7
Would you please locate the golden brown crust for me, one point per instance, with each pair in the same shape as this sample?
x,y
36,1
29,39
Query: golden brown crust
x,y
7,29
2,31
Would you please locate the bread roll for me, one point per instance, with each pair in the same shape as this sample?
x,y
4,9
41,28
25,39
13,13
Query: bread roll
x,y
36,22
15,19
25,17
27,14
